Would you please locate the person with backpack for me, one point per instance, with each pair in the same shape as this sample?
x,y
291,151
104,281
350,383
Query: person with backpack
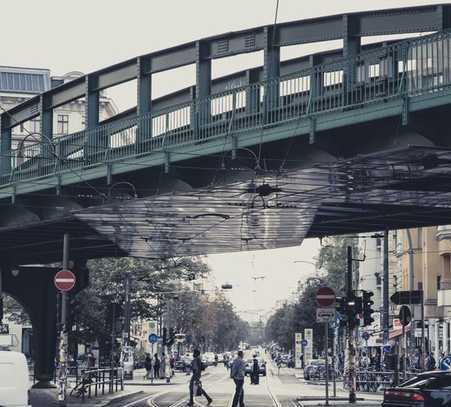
x,y
195,384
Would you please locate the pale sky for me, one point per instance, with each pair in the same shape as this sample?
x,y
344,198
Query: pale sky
x,y
87,35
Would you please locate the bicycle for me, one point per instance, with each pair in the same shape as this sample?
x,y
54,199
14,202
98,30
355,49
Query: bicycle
x,y
80,389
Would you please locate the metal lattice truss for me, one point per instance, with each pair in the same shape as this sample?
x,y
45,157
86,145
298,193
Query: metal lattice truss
x,y
400,188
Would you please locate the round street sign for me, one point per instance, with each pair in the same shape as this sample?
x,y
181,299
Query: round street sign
x,y
325,297
153,338
304,343
64,280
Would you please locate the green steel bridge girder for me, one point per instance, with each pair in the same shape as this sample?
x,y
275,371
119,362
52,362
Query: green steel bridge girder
x,y
302,127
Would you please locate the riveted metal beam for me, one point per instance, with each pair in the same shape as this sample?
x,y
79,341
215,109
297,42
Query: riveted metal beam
x,y
92,118
92,102
5,144
46,126
351,49
144,100
271,70
203,83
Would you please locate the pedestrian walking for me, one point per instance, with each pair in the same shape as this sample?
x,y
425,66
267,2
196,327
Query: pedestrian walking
x,y
237,373
430,362
163,366
156,366
148,366
195,384
255,373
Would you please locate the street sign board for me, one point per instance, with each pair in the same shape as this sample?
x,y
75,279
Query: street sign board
x,y
64,280
407,297
405,315
153,338
4,329
445,363
304,343
308,350
325,297
325,315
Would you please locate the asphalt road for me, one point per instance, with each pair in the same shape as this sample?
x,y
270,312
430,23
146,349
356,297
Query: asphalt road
x,y
220,387
278,389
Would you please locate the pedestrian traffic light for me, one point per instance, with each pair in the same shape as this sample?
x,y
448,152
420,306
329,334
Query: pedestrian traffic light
x,y
367,303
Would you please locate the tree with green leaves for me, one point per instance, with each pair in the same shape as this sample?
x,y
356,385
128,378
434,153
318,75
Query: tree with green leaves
x,y
295,317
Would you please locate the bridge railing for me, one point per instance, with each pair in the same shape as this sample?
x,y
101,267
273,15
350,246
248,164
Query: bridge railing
x,y
400,70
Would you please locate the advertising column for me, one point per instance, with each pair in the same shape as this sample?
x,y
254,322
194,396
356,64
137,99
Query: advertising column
x,y
297,350
308,348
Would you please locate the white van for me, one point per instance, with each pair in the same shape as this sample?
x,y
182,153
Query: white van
x,y
14,380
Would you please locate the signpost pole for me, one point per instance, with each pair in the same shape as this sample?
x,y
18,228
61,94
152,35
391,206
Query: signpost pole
x,y
350,339
404,352
326,348
334,351
423,341
62,374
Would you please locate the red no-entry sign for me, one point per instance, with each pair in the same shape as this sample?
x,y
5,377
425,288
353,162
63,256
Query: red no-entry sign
x,y
325,297
64,280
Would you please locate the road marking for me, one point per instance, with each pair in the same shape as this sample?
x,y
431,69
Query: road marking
x,y
136,401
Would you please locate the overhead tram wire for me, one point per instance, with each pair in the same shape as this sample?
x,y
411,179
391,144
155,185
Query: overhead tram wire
x,y
54,153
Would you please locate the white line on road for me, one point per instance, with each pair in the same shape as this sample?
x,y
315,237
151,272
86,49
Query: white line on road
x,y
136,401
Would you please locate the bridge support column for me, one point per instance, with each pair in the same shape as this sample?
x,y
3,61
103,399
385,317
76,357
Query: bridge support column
x,y
316,85
144,104
203,87
34,289
271,73
351,49
47,150
93,144
253,91
5,144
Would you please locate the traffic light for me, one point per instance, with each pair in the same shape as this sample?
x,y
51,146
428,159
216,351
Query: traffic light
x,y
171,338
354,305
342,308
165,336
367,303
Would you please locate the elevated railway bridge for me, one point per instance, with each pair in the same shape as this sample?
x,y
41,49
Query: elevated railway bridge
x,y
344,141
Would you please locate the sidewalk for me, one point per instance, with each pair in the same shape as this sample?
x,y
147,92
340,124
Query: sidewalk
x,y
178,378
48,398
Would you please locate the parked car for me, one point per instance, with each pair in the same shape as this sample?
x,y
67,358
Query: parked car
x,y
180,365
208,358
430,389
261,365
14,383
311,370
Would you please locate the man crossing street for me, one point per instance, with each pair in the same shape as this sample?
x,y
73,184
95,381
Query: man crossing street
x,y
237,373
196,368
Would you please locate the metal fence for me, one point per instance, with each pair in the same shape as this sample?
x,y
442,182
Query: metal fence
x,y
95,382
372,381
397,71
